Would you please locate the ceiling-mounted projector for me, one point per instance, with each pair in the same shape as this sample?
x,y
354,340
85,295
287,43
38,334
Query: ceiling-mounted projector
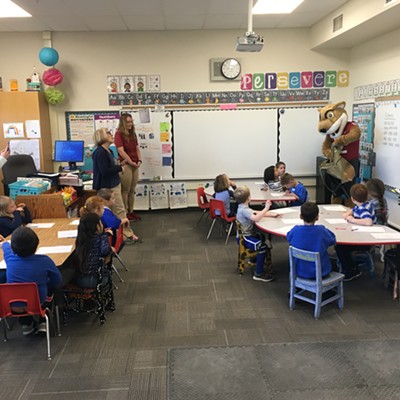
x,y
250,42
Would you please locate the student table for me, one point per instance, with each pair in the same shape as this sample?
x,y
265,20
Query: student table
x,y
257,195
331,216
49,237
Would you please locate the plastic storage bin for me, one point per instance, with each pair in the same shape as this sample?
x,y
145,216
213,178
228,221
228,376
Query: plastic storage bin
x,y
24,187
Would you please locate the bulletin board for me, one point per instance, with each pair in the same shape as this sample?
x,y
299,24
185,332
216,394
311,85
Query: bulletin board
x,y
153,129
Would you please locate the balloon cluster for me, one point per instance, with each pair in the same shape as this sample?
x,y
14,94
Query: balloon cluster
x,y
52,77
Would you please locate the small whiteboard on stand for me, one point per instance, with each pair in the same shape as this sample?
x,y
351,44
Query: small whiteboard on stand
x,y
142,198
158,196
177,195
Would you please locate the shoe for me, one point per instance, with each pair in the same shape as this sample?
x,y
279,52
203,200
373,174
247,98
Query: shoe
x,y
133,217
28,329
263,277
41,328
352,276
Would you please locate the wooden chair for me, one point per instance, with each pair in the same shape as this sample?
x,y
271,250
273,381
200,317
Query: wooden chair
x,y
317,287
218,213
244,254
202,202
79,299
28,295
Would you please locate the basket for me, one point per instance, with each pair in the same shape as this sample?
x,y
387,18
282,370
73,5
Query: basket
x,y
25,187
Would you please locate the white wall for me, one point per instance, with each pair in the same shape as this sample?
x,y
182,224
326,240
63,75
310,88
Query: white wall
x,y
181,58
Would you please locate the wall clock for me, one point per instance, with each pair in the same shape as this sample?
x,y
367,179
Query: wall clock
x,y
230,68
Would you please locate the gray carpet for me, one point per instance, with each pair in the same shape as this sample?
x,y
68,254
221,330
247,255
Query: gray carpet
x,y
331,370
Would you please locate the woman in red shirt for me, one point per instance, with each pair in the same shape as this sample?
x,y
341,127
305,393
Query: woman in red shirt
x,y
128,150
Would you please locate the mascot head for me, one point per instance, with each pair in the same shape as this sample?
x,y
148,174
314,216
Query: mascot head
x,y
332,119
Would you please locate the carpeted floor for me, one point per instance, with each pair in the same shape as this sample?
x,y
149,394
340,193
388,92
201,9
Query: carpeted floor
x,y
310,371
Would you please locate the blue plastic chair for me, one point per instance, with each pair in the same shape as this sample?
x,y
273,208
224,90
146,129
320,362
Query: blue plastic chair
x,y
317,287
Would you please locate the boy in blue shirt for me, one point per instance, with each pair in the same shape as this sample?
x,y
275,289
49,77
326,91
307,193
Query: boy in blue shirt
x,y
362,214
252,239
311,237
296,189
23,265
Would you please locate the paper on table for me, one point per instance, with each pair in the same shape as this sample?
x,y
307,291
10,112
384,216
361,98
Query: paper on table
x,y
3,265
54,249
386,235
41,225
334,221
277,194
259,183
285,229
75,222
293,221
334,207
68,234
370,229
286,210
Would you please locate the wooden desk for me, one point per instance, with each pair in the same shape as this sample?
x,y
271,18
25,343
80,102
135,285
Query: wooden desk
x,y
257,195
346,233
49,237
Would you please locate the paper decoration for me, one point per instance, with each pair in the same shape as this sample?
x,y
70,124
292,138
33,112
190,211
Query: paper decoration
x,y
30,147
158,196
13,130
142,198
32,129
177,195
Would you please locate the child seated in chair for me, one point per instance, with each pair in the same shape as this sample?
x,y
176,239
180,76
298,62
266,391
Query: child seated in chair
x,y
97,205
311,237
376,196
12,216
254,240
362,214
23,265
108,218
296,189
222,185
92,245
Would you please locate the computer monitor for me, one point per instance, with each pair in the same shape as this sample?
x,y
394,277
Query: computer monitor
x,y
70,151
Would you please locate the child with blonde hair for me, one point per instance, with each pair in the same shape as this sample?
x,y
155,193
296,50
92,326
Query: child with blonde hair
x,y
12,216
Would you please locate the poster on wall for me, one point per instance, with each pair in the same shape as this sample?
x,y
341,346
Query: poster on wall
x,y
30,147
155,142
13,130
81,125
126,82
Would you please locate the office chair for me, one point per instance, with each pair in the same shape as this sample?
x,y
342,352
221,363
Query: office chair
x,y
317,287
19,165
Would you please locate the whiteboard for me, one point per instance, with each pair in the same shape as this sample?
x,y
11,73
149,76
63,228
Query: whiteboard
x,y
300,143
240,143
387,143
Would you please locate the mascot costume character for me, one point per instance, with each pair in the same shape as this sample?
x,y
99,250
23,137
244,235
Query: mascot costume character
x,y
341,145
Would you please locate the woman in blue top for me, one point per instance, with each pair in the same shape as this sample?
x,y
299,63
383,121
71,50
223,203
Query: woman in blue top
x,y
222,185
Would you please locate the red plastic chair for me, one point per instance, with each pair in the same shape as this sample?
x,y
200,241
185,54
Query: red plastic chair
x,y
218,213
23,293
202,202
118,246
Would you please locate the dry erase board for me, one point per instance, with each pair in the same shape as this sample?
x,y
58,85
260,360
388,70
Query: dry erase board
x,y
240,143
299,140
387,143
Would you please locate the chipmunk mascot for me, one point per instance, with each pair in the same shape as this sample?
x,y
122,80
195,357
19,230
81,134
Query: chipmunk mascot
x,y
341,145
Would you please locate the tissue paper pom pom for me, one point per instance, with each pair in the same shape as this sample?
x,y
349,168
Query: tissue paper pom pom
x,y
54,96
52,77
48,56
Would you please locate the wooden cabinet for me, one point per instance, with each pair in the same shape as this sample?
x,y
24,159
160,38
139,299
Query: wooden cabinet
x,y
23,106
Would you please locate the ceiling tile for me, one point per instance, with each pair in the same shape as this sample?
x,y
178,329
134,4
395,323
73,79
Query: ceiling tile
x,y
188,22
144,22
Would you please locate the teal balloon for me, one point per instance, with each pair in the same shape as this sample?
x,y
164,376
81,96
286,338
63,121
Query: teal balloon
x,y
48,56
